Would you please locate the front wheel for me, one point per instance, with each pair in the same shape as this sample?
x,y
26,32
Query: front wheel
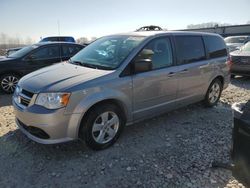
x,y
213,93
8,82
102,126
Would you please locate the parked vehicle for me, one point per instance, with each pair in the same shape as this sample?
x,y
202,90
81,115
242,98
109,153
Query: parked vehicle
x,y
241,142
235,42
58,39
118,80
241,61
150,28
32,58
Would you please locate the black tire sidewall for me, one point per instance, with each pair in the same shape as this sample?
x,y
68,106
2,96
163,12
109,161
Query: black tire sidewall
x,y
87,125
6,75
207,102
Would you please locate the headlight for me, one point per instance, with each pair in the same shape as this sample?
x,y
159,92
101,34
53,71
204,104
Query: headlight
x,y
52,100
17,90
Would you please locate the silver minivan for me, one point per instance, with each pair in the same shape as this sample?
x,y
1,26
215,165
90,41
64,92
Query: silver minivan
x,y
118,80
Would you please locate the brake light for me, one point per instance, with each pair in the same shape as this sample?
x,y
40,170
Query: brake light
x,y
229,62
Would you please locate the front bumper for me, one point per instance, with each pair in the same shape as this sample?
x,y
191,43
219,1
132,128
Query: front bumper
x,y
59,127
243,70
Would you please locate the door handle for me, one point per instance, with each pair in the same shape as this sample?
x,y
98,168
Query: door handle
x,y
203,66
171,74
184,71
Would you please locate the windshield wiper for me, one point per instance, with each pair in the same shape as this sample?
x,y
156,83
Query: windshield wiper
x,y
93,66
75,62
89,65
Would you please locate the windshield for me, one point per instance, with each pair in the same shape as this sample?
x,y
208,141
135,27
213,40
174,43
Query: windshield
x,y
246,47
235,39
107,52
22,52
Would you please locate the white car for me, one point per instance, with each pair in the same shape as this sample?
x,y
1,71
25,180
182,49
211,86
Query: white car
x,y
235,42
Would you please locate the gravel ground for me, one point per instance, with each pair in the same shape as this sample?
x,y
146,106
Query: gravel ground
x,y
173,150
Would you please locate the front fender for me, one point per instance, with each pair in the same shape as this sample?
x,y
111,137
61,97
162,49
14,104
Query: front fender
x,y
94,96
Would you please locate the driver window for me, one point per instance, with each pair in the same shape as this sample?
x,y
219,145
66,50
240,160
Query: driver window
x,y
161,53
46,53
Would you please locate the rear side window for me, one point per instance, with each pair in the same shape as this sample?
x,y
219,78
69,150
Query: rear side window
x,y
70,50
216,46
189,49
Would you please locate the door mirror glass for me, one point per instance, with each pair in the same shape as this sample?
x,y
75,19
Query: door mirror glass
x,y
142,65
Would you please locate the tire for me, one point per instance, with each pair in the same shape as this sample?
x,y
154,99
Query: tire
x,y
213,93
8,82
102,126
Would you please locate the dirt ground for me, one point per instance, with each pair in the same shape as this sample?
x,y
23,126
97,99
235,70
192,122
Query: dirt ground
x,y
173,150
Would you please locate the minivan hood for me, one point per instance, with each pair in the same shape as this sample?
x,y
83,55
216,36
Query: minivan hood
x,y
240,53
235,44
59,77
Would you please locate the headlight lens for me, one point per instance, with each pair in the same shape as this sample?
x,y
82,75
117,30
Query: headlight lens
x,y
53,100
17,90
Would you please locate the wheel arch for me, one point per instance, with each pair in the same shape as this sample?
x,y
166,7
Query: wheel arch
x,y
114,101
221,78
11,72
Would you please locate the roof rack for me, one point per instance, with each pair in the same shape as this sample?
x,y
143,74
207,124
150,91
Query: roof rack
x,y
150,28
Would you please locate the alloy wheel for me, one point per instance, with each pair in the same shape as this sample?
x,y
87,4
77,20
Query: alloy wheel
x,y
9,83
105,127
214,93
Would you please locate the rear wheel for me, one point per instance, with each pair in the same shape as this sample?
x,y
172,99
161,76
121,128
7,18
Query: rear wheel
x,y
102,126
8,82
213,93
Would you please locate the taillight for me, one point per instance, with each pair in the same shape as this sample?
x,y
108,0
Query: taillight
x,y
229,62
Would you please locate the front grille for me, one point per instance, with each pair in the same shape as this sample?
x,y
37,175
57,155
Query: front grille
x,y
25,97
27,93
24,101
236,59
245,60
34,131
241,60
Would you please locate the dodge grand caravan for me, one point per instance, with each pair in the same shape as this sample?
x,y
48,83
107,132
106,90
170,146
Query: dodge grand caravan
x,y
118,80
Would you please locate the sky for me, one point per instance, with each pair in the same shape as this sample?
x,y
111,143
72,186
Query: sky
x,y
95,18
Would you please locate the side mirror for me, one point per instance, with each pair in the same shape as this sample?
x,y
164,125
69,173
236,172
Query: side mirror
x,y
30,57
142,65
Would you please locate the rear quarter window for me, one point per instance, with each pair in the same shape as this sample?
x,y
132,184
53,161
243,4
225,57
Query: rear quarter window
x,y
215,46
189,49
70,50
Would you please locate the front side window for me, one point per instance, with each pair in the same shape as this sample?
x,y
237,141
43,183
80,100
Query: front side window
x,y
46,53
215,46
107,52
159,51
22,52
189,49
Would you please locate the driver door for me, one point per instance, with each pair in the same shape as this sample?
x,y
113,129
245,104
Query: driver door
x,y
155,91
42,57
